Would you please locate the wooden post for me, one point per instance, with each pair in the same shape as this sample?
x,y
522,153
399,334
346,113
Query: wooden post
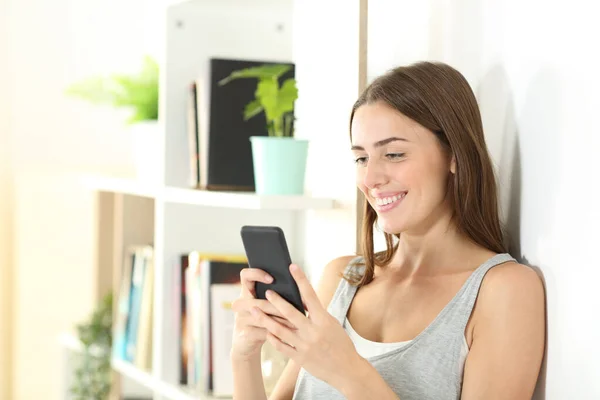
x,y
362,84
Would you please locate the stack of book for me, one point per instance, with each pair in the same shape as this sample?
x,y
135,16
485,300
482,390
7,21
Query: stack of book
x,y
132,332
210,283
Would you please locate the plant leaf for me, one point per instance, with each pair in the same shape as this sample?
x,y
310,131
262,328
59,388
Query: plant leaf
x,y
266,93
96,90
138,92
286,96
261,72
253,108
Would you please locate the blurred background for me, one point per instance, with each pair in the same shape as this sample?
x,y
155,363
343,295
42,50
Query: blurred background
x,y
84,193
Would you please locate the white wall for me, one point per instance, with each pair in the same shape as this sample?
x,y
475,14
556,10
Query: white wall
x,y
533,65
5,205
54,44
327,73
54,276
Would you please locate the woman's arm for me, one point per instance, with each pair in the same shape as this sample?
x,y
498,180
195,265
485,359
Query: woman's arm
x,y
508,336
364,382
247,375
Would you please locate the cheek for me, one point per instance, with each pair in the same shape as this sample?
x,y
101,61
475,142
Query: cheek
x,y
436,181
424,179
360,179
407,174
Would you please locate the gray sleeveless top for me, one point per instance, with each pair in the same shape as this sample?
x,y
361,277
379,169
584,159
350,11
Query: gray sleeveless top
x,y
429,367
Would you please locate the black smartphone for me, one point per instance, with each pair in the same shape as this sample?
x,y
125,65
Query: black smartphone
x,y
266,249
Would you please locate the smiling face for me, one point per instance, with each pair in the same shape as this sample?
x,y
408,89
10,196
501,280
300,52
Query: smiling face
x,y
401,167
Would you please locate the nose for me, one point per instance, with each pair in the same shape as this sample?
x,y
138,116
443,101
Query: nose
x,y
374,175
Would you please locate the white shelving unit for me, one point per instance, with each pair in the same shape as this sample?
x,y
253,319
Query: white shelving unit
x,y
167,213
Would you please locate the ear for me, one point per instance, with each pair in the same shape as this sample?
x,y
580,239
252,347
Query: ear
x,y
453,165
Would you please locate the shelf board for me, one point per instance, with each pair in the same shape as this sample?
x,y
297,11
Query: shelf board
x,y
208,198
147,380
245,200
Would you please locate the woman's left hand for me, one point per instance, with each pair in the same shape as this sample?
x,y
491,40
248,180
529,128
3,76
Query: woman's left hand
x,y
319,343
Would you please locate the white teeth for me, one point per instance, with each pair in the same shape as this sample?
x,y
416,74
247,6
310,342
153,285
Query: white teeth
x,y
381,201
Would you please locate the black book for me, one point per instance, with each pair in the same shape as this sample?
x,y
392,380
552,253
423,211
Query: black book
x,y
228,164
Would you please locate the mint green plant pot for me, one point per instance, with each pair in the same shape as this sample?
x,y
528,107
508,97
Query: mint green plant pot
x,y
279,164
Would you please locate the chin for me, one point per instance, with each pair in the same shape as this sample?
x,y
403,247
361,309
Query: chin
x,y
389,227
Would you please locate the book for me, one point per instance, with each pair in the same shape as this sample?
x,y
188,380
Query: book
x,y
133,322
203,272
185,340
222,296
215,270
192,129
142,255
143,354
123,307
193,321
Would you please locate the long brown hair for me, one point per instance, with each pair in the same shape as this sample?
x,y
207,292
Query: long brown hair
x,y
439,98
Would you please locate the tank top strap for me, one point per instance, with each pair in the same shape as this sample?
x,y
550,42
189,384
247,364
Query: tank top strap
x,y
342,298
466,297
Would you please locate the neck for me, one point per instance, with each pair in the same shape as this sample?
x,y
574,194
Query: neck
x,y
427,251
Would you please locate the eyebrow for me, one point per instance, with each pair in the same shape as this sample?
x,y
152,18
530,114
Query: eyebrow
x,y
382,142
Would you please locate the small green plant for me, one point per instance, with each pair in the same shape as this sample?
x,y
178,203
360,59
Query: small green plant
x,y
137,92
93,374
276,101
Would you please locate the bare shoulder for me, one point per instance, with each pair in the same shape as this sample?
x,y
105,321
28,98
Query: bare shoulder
x,y
510,278
330,278
508,335
509,286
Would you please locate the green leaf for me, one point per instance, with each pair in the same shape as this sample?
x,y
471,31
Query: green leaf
x,y
266,93
261,72
252,109
97,90
275,101
92,375
287,95
138,92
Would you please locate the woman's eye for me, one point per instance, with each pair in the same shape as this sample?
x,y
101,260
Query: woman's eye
x,y
360,160
394,156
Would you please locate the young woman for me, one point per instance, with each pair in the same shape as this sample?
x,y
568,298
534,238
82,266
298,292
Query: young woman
x,y
445,312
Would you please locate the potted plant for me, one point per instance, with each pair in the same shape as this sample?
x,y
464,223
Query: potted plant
x,y
135,92
92,380
279,159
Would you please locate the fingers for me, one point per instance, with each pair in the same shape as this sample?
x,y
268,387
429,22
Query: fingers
x,y
247,319
280,346
249,276
246,304
308,294
282,332
285,322
242,307
285,309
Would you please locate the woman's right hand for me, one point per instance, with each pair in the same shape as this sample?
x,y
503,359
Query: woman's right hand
x,y
248,334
